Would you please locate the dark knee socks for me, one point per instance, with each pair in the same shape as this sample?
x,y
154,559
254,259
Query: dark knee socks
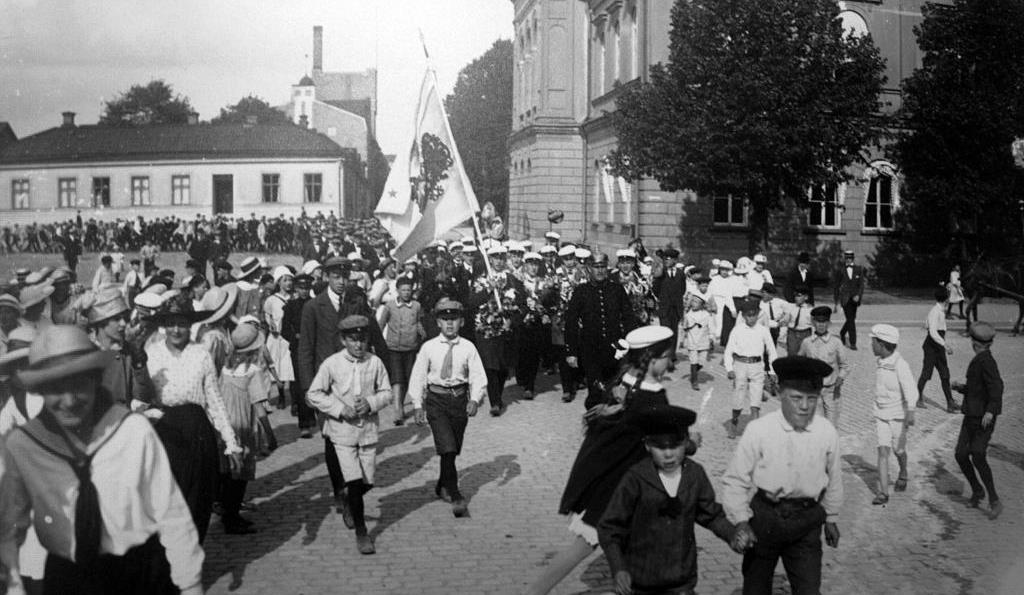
x,y
232,492
449,479
356,489
333,467
269,431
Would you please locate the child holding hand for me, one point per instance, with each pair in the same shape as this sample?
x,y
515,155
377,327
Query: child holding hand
x,y
647,530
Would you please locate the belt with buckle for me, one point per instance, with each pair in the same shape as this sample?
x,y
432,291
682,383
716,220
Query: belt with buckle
x,y
787,502
747,359
455,391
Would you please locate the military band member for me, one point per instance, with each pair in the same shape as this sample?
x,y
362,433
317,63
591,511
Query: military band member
x,y
638,289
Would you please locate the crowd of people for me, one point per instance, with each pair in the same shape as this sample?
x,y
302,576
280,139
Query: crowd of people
x,y
136,407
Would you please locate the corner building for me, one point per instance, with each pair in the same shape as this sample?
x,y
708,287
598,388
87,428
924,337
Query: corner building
x,y
572,59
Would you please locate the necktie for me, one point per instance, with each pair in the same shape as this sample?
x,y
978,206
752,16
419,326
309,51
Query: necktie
x,y
446,367
771,312
671,273
88,520
796,323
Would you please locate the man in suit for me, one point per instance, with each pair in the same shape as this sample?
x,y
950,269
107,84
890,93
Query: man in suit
x,y
320,338
849,289
670,287
800,276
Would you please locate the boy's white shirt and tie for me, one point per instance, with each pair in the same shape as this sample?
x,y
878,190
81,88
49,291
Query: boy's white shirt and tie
x,y
459,358
748,342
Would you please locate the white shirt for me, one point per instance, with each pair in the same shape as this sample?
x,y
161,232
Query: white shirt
x,y
785,462
748,341
895,389
138,495
11,418
466,369
936,322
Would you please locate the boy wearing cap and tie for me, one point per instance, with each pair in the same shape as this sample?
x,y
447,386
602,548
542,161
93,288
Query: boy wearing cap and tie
x,y
447,385
350,387
983,402
799,319
824,346
790,460
895,398
748,345
647,530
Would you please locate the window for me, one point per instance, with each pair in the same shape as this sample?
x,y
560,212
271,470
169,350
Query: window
x,y
617,58
271,187
853,24
313,187
601,61
19,194
140,191
634,45
181,190
880,202
730,210
824,206
101,192
67,192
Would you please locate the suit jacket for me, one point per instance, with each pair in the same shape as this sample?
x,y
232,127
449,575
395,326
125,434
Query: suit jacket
x,y
670,292
598,315
845,287
984,392
793,280
319,337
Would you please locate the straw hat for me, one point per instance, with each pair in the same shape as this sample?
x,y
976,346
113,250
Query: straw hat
x,y
246,338
34,294
176,308
109,303
18,343
249,266
61,351
218,302
281,272
9,301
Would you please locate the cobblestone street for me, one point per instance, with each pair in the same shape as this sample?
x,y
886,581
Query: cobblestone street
x,y
514,467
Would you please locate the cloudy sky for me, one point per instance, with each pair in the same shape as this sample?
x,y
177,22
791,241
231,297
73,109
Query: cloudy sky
x,y
59,56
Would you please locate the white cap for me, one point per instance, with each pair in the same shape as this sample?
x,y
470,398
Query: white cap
x,y
886,332
497,249
455,246
724,264
412,260
467,248
743,266
309,266
553,235
646,336
760,258
514,246
625,253
526,244
567,250
715,262
548,249
582,254
354,256
532,256
281,272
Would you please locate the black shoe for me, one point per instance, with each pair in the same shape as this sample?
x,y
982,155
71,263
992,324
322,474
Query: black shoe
x,y
568,397
952,407
528,395
853,347
496,411
399,421
976,499
236,526
364,543
459,508
995,509
306,434
442,493
341,504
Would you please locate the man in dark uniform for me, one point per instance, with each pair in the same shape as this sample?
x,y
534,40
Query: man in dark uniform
x,y
670,288
849,289
983,402
800,275
598,315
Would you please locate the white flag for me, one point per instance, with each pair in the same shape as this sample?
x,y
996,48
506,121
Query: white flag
x,y
427,192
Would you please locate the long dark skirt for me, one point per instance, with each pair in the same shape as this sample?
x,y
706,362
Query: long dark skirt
x,y
142,570
192,449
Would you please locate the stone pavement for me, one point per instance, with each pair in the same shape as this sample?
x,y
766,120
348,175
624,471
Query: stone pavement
x,y
514,468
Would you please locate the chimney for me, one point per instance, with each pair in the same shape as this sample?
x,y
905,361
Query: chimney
x,y
304,121
69,119
193,118
250,120
318,49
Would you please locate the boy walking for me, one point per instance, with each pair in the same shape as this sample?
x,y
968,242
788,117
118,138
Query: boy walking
x,y
447,385
647,530
895,398
828,348
936,348
697,329
743,359
403,331
350,387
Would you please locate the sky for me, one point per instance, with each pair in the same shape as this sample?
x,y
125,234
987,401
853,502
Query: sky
x,y
60,56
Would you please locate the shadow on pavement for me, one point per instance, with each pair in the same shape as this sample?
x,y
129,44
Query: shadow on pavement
x,y
866,472
1002,453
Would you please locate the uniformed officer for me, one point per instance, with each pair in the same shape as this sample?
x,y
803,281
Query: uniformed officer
x,y
598,316
790,460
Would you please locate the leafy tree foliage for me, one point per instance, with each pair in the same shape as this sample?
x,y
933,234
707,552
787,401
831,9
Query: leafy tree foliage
x,y
153,103
758,99
251,106
962,110
480,112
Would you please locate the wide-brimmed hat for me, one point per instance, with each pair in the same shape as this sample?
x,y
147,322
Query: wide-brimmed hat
x,y
109,303
34,294
60,275
178,308
18,343
218,302
309,266
246,338
60,351
281,272
249,266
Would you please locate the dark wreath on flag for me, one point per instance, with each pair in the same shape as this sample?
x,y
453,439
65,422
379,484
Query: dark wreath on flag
x,y
435,161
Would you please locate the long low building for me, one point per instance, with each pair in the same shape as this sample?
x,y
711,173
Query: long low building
x,y
111,172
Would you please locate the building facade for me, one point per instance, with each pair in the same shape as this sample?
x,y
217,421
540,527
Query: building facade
x,y
182,170
573,58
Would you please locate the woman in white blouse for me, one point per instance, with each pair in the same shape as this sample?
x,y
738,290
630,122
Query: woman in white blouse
x,y
188,397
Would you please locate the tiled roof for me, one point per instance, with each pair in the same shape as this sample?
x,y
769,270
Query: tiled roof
x,y
7,135
359,107
146,143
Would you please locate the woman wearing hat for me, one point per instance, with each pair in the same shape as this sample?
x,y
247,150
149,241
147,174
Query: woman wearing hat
x,y
188,397
95,482
213,331
610,447
277,346
127,378
241,385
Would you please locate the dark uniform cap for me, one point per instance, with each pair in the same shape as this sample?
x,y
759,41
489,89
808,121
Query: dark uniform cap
x,y
448,308
336,262
663,420
804,258
355,322
750,306
821,313
801,372
670,253
222,265
983,332
768,288
703,278
802,289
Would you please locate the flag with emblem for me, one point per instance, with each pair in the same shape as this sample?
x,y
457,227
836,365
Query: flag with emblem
x,y
427,192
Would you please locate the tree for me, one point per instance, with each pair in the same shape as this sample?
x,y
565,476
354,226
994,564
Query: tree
x,y
251,105
758,99
480,112
153,103
962,110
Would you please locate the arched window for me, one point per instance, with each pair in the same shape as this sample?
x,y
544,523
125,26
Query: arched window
x,y
853,23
